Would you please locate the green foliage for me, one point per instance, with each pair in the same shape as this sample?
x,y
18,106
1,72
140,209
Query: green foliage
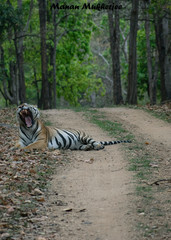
x,y
142,71
75,77
142,76
159,7
124,62
78,71
75,82
9,18
74,70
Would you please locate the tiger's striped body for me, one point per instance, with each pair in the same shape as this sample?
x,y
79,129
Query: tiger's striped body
x,y
34,134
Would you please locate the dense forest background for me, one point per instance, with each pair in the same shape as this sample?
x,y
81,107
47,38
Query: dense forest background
x,y
54,56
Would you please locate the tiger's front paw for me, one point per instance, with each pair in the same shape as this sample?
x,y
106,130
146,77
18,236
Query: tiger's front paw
x,y
86,147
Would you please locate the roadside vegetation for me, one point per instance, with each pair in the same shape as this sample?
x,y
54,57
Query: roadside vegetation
x,y
160,111
53,56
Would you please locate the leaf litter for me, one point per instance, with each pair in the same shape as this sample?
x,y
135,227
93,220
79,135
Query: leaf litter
x,y
23,179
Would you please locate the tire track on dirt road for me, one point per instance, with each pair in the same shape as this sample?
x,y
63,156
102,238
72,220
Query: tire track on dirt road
x,y
142,123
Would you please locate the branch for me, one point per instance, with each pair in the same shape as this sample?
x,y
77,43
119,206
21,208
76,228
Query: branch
x,y
100,55
62,34
123,36
124,46
161,180
105,77
109,79
141,19
29,17
26,35
2,93
157,182
104,59
56,24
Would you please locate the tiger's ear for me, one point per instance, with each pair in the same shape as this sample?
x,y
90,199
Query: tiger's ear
x,y
35,106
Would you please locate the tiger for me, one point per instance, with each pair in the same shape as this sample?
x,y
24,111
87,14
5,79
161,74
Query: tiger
x,y
33,134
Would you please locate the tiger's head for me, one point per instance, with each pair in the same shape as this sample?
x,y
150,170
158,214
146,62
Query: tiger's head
x,y
27,115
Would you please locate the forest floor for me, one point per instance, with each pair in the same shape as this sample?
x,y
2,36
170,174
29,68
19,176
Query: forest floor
x,y
122,192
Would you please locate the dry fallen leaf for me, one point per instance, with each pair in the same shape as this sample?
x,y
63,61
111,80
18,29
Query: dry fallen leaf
x,y
32,171
10,209
90,161
82,210
40,199
67,210
37,191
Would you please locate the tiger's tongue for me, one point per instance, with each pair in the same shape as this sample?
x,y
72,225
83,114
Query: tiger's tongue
x,y
28,121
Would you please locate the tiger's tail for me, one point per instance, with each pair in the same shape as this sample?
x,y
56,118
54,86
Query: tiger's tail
x,y
114,142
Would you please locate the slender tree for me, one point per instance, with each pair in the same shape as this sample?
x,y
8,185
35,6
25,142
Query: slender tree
x,y
162,40
132,71
45,103
10,82
8,68
115,53
54,55
18,40
152,75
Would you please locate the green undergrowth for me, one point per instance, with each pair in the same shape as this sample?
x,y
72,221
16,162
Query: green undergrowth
x,y
138,156
114,129
165,116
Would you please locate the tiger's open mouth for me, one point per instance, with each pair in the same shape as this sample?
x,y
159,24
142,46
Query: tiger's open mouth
x,y
26,117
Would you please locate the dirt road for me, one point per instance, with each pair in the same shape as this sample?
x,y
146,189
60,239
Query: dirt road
x,y
90,197
95,188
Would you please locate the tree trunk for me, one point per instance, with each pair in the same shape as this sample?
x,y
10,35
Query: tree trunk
x,y
161,29
35,82
54,57
20,60
15,83
45,86
132,71
10,83
151,77
115,47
